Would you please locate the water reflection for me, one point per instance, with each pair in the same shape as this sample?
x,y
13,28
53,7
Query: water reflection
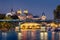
x,y
57,36
45,35
0,35
8,36
4,36
19,36
28,35
49,35
41,36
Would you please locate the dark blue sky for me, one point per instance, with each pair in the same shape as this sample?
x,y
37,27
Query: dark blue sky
x,y
36,7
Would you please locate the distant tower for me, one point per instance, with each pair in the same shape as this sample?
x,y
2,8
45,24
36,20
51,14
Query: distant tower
x,y
25,12
12,11
43,17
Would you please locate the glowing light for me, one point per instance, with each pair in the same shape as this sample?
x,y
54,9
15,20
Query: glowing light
x,y
59,25
43,17
8,14
19,12
48,25
46,35
26,11
53,25
29,26
42,35
19,36
16,28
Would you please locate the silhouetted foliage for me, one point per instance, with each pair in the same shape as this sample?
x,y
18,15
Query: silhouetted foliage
x,y
57,12
14,17
2,16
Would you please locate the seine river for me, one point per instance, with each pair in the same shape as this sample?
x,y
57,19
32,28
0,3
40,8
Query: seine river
x,y
12,35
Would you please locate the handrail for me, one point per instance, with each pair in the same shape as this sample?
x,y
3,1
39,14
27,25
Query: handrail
x,y
17,20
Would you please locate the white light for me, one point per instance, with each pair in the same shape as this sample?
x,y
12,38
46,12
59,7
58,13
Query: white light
x,y
8,14
16,28
42,36
43,18
19,36
25,11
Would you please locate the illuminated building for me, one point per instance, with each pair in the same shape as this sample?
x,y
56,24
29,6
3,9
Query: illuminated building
x,y
10,13
29,16
20,15
25,11
29,26
33,29
29,30
17,29
19,12
43,16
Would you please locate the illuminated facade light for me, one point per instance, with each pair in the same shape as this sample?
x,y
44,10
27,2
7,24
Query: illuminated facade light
x,y
8,14
29,26
59,25
47,25
54,25
22,17
43,16
25,11
30,16
16,29
19,12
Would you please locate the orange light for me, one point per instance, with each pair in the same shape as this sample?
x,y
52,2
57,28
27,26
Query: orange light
x,y
53,25
59,25
29,25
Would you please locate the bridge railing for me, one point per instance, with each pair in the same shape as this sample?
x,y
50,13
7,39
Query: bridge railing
x,y
29,20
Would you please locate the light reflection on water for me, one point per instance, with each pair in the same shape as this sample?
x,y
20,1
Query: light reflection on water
x,y
4,35
19,36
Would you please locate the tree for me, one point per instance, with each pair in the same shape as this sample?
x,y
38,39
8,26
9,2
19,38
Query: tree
x,y
2,16
5,26
57,12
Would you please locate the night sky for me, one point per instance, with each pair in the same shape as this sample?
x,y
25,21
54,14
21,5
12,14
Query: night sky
x,y
36,7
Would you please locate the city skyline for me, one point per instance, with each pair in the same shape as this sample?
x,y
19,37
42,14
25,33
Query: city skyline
x,y
36,7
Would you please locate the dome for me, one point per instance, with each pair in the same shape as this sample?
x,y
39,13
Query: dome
x,y
8,14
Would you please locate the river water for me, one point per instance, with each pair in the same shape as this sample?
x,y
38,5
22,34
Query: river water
x,y
12,35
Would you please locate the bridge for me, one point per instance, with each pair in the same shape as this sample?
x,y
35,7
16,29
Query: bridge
x,y
17,20
32,35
